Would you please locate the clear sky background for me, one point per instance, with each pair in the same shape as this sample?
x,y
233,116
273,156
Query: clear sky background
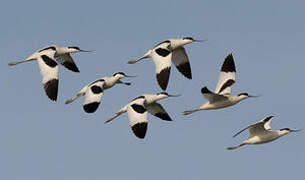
x,y
41,139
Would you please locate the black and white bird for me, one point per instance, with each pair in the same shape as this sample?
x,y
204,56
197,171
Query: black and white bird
x,y
261,133
166,52
94,91
222,96
138,109
48,66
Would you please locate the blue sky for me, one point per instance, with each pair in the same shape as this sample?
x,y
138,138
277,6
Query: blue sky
x,y
41,139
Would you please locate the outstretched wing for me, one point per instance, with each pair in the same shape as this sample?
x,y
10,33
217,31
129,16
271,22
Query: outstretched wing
x,y
227,76
212,97
67,61
137,114
93,96
49,71
258,128
182,63
162,56
157,110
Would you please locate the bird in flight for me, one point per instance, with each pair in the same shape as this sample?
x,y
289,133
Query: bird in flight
x,y
138,109
222,96
166,52
261,133
94,91
47,59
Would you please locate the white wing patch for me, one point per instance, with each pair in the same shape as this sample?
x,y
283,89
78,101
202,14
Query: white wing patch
x,y
49,71
161,56
227,76
93,96
137,114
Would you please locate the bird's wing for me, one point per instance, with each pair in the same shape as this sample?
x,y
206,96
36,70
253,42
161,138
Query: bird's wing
x,y
137,114
212,97
49,71
261,127
182,63
227,76
67,61
93,96
258,128
157,110
161,56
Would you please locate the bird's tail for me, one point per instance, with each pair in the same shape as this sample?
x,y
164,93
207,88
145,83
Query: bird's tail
x,y
235,147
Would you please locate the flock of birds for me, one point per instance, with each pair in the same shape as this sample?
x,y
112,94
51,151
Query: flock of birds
x,y
163,55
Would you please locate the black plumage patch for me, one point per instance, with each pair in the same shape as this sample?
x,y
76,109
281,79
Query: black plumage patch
x,y
162,52
50,62
74,47
228,83
228,65
51,89
163,77
140,129
47,48
185,69
268,119
205,90
138,108
70,65
91,107
163,116
96,89
166,41
140,97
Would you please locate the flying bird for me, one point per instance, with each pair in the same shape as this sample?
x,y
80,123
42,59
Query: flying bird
x,y
48,66
222,96
166,52
94,91
138,109
261,133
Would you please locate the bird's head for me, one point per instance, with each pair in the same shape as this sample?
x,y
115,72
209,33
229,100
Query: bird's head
x,y
73,49
188,40
243,96
285,131
164,95
121,75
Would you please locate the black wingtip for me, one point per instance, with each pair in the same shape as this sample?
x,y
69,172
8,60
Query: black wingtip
x,y
185,70
163,77
205,90
140,129
91,107
51,89
228,64
71,66
163,116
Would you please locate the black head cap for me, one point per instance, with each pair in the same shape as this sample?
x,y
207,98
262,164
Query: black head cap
x,y
246,94
73,47
189,38
119,73
165,93
285,129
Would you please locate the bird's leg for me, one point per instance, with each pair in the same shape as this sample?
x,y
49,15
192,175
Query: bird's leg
x,y
121,111
190,111
234,147
147,55
18,62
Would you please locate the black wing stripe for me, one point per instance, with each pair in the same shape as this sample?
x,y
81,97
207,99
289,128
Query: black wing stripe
x,y
228,83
